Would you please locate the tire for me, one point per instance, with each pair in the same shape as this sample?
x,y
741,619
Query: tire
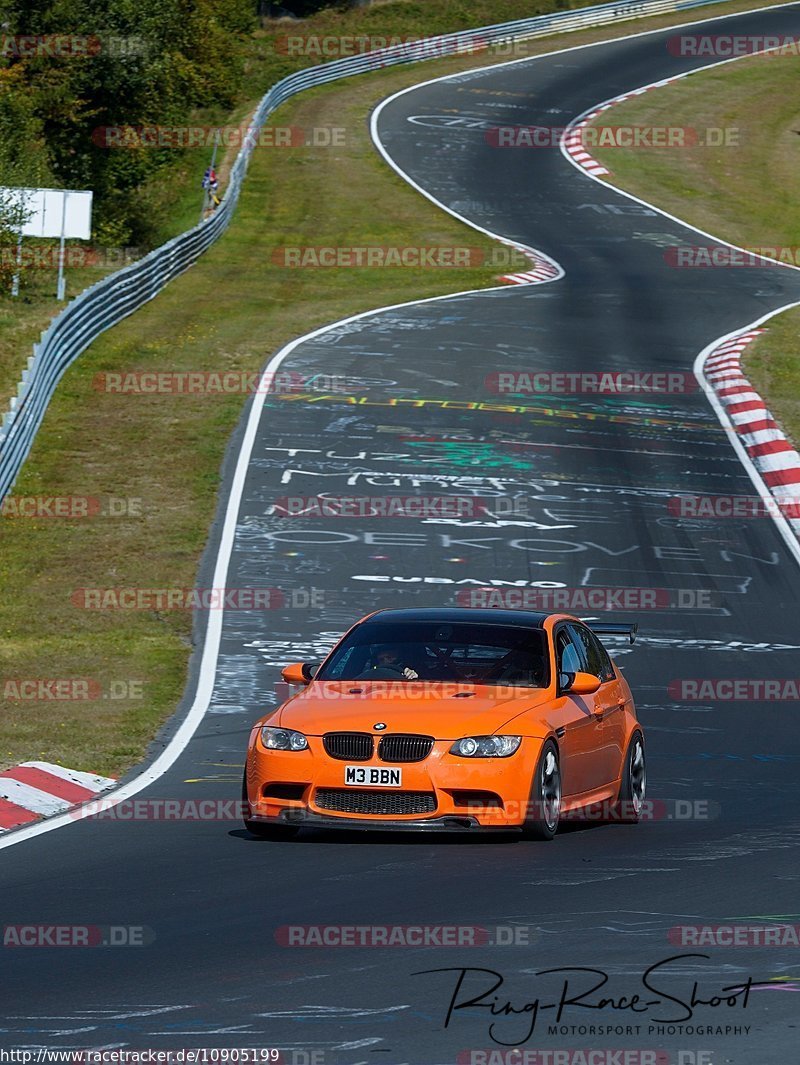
x,y
258,828
545,800
633,787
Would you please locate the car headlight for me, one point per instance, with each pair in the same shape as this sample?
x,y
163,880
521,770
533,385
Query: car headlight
x,y
486,746
283,739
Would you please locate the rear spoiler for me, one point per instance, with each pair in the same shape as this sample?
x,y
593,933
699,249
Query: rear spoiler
x,y
610,628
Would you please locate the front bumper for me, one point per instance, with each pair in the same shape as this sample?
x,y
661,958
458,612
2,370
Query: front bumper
x,y
305,818
464,794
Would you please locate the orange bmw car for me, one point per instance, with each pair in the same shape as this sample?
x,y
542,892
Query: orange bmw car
x,y
450,719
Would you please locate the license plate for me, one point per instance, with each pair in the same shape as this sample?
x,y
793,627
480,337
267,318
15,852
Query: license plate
x,y
373,776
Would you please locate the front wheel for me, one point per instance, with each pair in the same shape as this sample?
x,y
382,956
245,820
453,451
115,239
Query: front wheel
x,y
259,828
545,801
634,783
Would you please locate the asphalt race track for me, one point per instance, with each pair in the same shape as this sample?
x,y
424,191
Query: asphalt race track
x,y
592,477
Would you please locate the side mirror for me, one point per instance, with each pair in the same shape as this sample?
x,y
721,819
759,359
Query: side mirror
x,y
583,684
299,673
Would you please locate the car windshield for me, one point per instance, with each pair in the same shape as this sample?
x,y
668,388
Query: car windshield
x,y
471,652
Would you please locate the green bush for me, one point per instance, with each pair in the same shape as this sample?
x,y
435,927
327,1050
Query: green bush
x,y
146,63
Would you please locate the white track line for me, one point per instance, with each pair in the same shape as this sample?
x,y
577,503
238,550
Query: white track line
x,y
544,263
735,438
208,662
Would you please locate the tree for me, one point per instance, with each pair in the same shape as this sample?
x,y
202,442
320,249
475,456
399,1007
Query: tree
x,y
142,63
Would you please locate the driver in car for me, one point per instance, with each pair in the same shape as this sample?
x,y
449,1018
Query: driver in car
x,y
388,658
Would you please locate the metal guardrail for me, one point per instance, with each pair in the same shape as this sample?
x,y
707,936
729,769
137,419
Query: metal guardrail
x,y
110,300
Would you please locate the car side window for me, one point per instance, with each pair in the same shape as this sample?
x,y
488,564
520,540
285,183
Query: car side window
x,y
597,661
608,671
571,653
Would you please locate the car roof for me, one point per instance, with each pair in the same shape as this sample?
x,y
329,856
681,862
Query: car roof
x,y
481,616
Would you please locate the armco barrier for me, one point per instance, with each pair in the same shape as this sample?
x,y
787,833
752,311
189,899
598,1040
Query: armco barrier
x,y
121,293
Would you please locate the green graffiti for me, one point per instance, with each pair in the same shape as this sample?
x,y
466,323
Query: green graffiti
x,y
458,453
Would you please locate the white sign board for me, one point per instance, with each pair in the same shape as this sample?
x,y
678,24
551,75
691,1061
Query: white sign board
x,y
53,212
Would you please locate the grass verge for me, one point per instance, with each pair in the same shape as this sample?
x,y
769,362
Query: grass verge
x,y
160,455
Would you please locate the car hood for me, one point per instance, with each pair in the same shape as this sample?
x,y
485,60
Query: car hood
x,y
450,711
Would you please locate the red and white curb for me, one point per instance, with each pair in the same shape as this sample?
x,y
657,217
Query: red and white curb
x,y
772,454
573,143
573,136
34,790
544,269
